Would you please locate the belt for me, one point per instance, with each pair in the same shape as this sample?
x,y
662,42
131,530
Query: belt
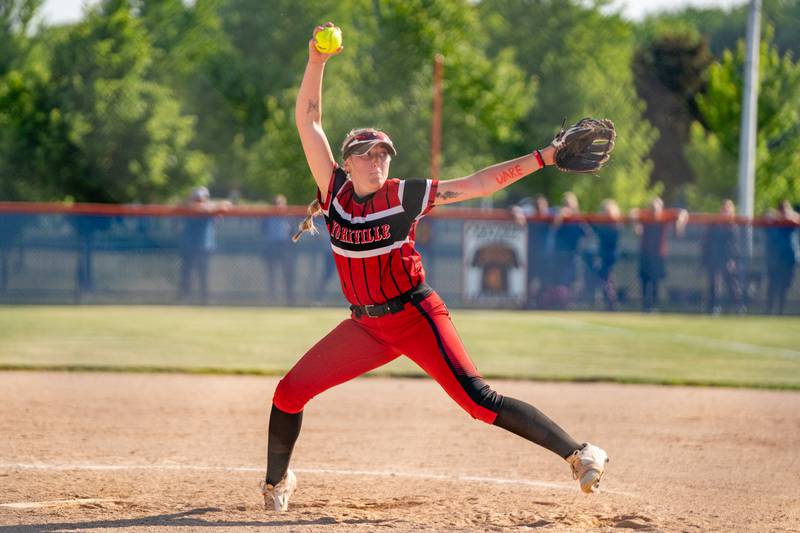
x,y
395,305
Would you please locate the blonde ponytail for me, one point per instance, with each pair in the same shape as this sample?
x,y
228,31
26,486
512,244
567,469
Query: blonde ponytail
x,y
307,225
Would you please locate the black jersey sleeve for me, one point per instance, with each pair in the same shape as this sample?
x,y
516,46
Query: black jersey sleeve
x,y
418,196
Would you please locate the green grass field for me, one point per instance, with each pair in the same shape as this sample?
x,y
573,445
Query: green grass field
x,y
680,349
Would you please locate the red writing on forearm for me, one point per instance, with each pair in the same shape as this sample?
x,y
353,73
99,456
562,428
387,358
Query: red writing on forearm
x,y
509,174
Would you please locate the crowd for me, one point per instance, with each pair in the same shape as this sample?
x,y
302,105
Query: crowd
x,y
572,255
560,239
199,240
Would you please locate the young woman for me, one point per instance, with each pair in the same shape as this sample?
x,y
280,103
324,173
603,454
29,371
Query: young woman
x,y
372,220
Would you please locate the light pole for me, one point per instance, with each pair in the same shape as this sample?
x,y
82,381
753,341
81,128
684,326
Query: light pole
x,y
747,135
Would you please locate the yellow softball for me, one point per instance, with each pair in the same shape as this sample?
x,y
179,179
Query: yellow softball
x,y
329,40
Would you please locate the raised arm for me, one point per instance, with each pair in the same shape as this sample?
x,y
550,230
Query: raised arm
x,y
308,116
491,179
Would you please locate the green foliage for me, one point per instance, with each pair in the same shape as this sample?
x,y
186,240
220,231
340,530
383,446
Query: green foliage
x,y
715,167
671,68
86,123
723,28
226,59
143,98
30,130
15,19
713,150
581,60
384,79
23,80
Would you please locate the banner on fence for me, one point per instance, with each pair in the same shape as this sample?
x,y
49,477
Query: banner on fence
x,y
495,263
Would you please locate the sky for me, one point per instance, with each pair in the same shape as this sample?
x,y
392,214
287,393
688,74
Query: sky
x,y
60,11
638,9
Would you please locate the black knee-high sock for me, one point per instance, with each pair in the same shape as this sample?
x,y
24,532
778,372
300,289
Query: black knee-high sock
x,y
283,431
529,423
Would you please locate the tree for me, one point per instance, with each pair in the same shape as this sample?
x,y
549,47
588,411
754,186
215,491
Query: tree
x,y
722,27
193,55
582,61
87,124
15,19
384,79
671,69
714,149
31,130
226,59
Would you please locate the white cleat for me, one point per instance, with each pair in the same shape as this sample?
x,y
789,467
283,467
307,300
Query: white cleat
x,y
588,464
279,493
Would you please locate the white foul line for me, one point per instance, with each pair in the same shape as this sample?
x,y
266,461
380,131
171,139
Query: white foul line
x,y
56,503
693,340
742,347
370,473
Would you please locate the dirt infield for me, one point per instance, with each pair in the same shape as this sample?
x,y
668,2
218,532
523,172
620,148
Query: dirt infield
x,y
179,453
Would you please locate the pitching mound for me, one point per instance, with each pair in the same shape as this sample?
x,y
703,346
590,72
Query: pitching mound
x,y
176,452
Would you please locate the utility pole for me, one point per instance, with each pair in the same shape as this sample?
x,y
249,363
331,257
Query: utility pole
x,y
436,128
747,135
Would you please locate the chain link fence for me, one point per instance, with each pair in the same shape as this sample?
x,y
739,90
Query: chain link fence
x,y
472,258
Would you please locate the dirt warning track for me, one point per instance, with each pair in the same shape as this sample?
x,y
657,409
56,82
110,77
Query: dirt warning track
x,y
178,452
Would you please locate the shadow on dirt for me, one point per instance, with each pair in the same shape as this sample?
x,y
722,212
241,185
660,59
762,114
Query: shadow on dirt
x,y
185,519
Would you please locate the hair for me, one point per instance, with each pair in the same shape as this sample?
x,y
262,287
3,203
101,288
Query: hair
x,y
307,224
726,202
611,208
571,198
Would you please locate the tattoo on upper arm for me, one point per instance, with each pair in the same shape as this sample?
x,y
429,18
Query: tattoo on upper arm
x,y
447,195
313,105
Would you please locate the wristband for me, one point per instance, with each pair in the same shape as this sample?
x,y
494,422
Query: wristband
x,y
539,159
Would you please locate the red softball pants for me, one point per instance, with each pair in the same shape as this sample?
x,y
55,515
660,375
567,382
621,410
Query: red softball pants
x,y
422,331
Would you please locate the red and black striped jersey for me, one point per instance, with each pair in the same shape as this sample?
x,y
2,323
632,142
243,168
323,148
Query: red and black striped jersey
x,y
373,237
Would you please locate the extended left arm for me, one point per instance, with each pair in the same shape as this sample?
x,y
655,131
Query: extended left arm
x,y
491,179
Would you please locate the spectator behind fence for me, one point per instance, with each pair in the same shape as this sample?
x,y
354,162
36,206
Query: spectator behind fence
x,y
85,228
781,255
520,212
653,228
11,236
600,266
720,257
277,255
566,237
198,242
538,231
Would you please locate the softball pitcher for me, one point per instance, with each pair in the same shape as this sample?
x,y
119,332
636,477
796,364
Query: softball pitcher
x,y
371,220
